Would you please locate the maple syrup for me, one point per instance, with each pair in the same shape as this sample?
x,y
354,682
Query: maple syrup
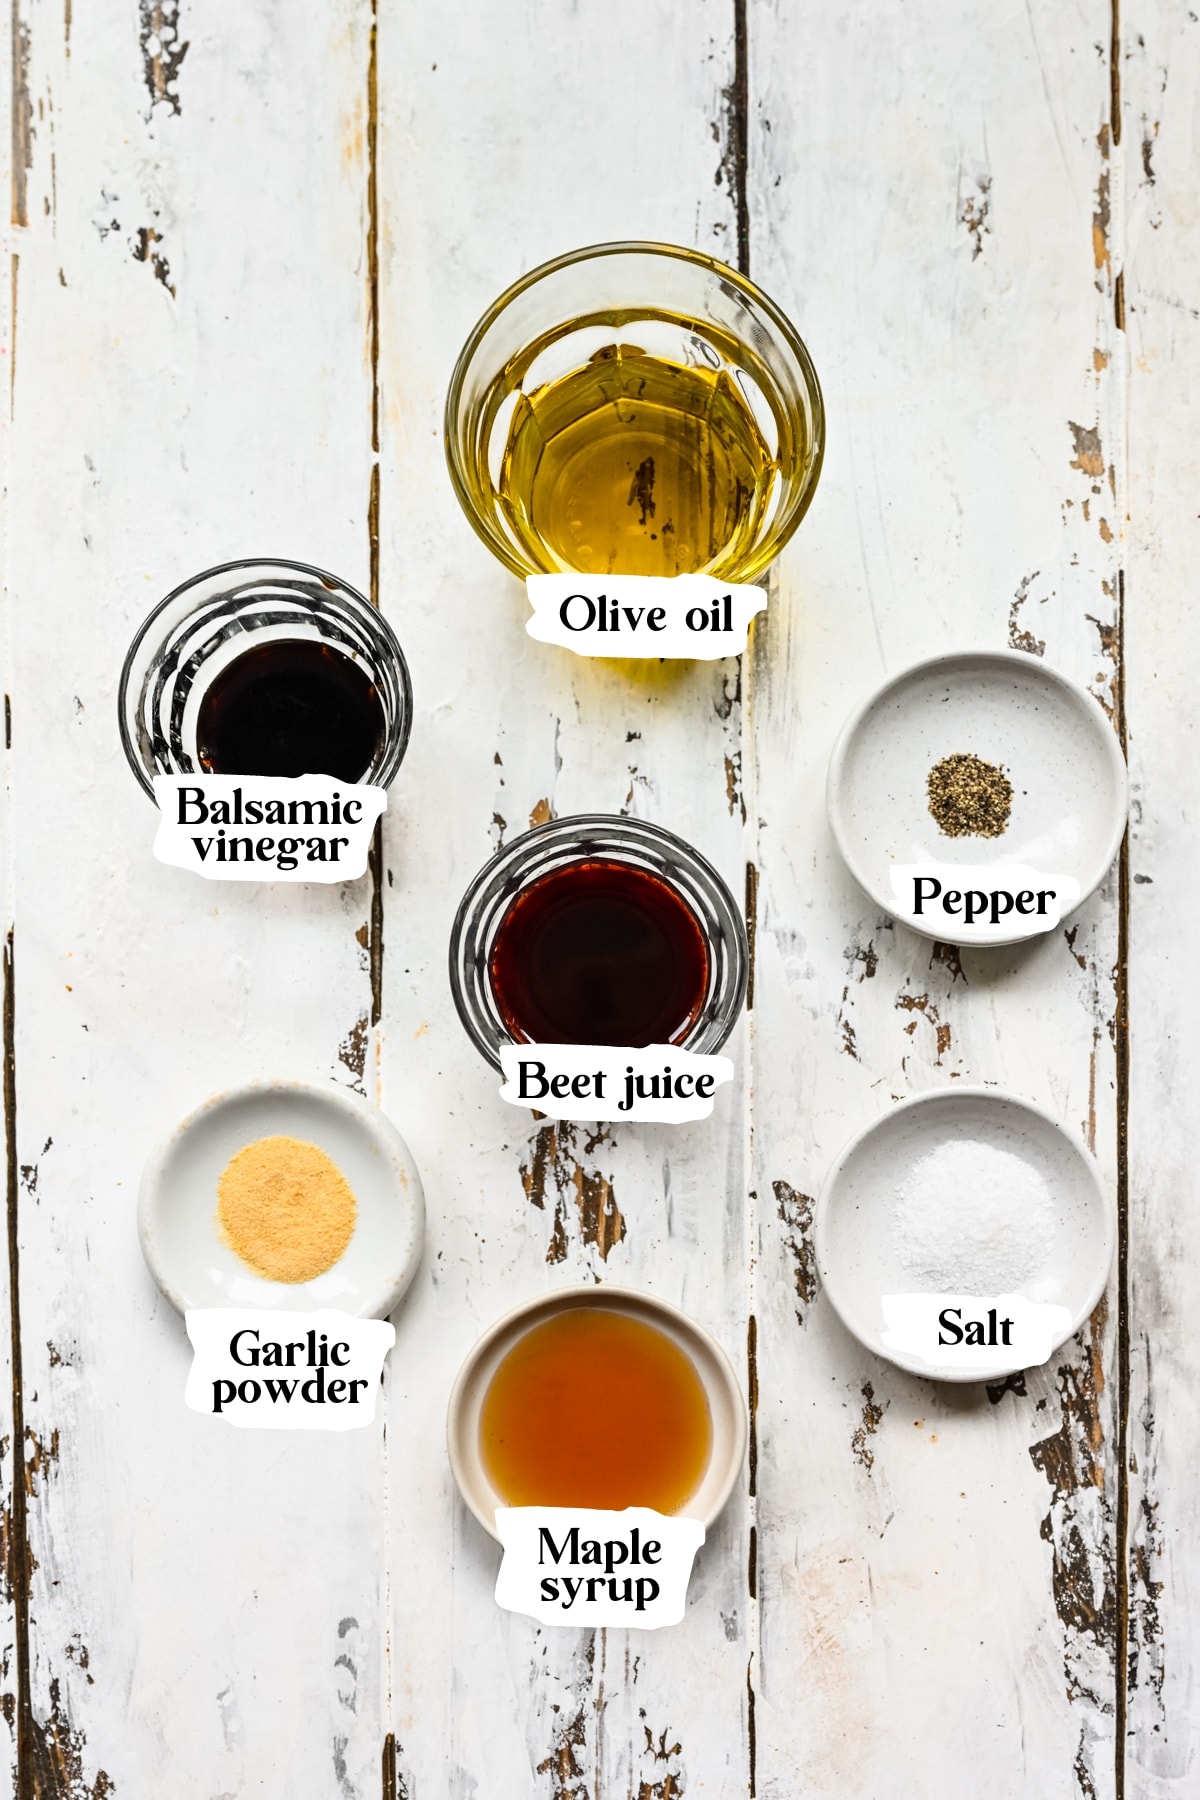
x,y
292,706
594,1408
599,952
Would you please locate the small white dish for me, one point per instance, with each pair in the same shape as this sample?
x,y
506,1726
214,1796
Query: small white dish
x,y
177,1201
1070,786
725,1403
864,1252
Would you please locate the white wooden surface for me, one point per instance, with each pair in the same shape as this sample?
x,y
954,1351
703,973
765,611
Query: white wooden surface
x,y
918,1591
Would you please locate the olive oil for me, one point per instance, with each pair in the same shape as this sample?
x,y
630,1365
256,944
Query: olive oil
x,y
594,1408
639,464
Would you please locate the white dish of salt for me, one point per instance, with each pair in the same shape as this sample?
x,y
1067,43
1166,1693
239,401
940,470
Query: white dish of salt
x,y
967,1191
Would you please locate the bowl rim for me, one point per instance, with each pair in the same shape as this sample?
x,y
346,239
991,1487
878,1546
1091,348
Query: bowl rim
x,y
625,247
949,931
955,1095
579,825
328,579
370,1120
614,1298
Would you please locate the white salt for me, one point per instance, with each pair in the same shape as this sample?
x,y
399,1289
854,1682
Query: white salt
x,y
973,1218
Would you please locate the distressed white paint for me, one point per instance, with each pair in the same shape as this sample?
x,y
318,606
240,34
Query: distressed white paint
x,y
1161,87
256,1613
487,1704
207,1602
932,232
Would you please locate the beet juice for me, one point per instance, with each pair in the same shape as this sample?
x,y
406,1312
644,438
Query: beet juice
x,y
599,952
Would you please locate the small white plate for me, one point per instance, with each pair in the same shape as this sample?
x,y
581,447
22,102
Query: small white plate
x,y
725,1403
1070,787
177,1202
861,1254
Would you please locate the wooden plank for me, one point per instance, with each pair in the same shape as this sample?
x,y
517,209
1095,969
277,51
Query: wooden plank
x,y
937,1592
1160,86
191,384
499,149
940,209
14,138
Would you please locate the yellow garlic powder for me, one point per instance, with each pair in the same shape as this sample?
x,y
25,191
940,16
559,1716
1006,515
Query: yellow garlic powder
x,y
285,1209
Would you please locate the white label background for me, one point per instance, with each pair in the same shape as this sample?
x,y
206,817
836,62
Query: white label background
x,y
611,1061
912,1326
175,844
211,1329
1011,878
519,1583
636,596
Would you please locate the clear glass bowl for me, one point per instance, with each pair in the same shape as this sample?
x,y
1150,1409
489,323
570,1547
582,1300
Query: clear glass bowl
x,y
679,305
587,837
200,628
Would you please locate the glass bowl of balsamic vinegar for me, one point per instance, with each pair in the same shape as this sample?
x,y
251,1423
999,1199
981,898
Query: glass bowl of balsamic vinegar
x,y
635,409
598,929
265,668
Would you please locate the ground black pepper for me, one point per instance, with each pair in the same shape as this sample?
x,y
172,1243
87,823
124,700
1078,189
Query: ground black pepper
x,y
969,797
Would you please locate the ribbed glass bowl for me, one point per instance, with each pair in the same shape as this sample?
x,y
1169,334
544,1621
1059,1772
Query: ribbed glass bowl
x,y
201,627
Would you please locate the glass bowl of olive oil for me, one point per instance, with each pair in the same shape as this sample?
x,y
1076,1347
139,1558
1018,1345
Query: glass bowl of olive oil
x,y
635,409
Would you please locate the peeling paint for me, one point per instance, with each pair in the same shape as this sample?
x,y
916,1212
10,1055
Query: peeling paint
x,y
973,209
143,251
923,1005
162,51
733,785
730,695
950,959
734,132
655,1781
352,1051
564,1766
52,1767
1145,1661
796,1213
1089,452
872,1418
394,1783
861,964
1109,635
558,1162
22,121
1101,216
41,1459
1017,638
1079,1527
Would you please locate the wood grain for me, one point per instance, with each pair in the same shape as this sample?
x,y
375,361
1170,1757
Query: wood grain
x,y
936,1566
489,1702
1160,87
246,246
204,1609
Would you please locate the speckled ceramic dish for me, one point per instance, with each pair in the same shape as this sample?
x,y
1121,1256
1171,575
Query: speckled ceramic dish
x,y
177,1202
725,1403
866,1248
1070,790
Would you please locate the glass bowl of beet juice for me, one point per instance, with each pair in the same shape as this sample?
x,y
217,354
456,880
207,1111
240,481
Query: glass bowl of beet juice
x,y
265,668
598,930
